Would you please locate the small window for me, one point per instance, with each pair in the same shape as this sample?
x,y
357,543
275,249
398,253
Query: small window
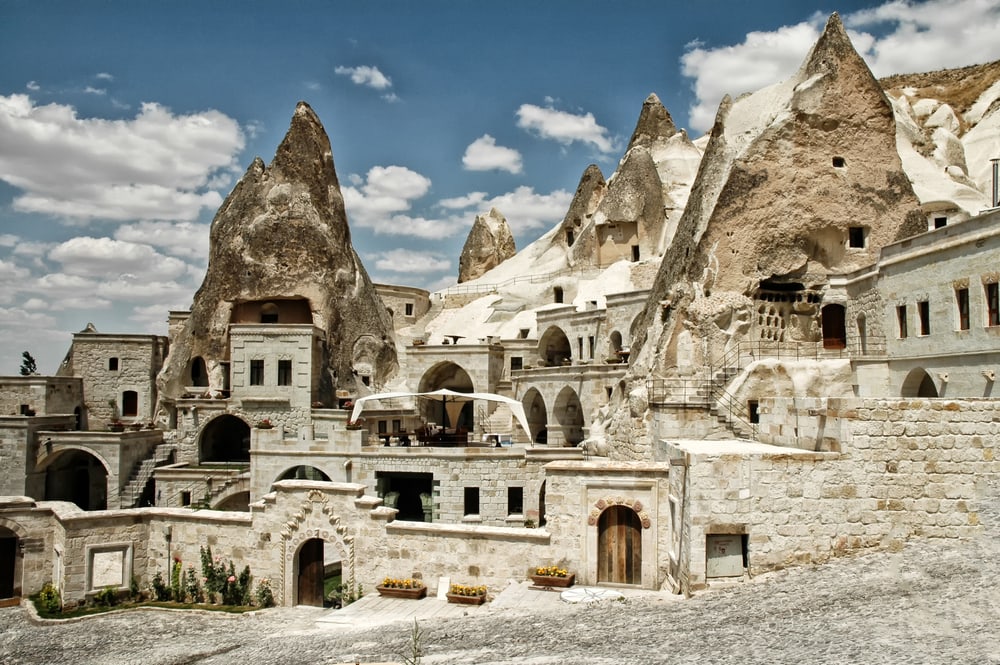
x,y
569,237
753,411
113,364
257,372
516,363
856,237
185,498
515,500
130,404
635,253
383,427
579,346
558,293
523,333
471,501
924,312
397,425
940,222
409,309
608,390
269,313
366,380
901,319
992,304
284,372
962,303
839,162
590,345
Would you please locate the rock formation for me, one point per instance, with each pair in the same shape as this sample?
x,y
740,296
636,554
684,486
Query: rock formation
x,y
798,181
281,240
489,244
576,230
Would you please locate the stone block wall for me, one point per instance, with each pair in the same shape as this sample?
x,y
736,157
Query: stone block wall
x,y
41,394
905,468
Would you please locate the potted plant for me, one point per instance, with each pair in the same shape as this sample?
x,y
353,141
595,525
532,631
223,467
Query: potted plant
x,y
464,594
392,587
265,424
552,576
116,426
356,424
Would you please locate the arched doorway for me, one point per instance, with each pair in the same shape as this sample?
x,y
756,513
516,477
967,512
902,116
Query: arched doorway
x,y
834,327
554,348
225,439
304,473
569,414
309,584
614,345
918,383
9,586
451,415
619,546
199,373
538,419
77,476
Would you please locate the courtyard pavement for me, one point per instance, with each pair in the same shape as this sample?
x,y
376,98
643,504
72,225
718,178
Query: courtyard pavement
x,y
935,602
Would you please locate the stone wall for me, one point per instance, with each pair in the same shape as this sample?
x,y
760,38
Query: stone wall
x,y
895,469
41,394
112,364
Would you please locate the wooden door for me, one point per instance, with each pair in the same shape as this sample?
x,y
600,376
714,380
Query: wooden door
x,y
310,583
619,546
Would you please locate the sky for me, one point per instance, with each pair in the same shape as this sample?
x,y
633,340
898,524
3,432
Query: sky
x,y
124,124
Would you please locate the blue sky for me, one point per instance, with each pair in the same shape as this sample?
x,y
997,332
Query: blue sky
x,y
123,125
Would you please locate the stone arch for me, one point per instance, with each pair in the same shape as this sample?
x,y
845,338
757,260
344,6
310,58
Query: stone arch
x,y
538,418
918,383
12,541
568,413
324,525
78,475
198,372
453,377
614,344
225,438
554,347
303,472
619,546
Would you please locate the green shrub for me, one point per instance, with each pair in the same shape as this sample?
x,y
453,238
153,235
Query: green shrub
x,y
160,590
49,600
107,597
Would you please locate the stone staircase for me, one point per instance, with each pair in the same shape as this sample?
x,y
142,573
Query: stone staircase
x,y
705,392
143,472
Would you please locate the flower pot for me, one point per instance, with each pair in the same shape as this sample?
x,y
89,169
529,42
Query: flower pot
x,y
395,592
459,599
116,427
553,581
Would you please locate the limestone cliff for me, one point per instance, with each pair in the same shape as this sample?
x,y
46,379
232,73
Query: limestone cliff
x,y
488,244
281,241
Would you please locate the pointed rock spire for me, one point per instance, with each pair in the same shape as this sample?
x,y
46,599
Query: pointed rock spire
x,y
488,244
654,122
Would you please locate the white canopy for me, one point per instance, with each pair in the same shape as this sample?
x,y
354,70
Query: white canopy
x,y
449,397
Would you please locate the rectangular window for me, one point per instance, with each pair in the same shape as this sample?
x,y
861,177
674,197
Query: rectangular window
x,y
383,427
185,498
992,304
515,500
590,344
516,363
579,347
753,410
471,501
940,222
257,372
409,309
112,364
635,253
284,372
856,237
924,312
901,318
397,425
962,302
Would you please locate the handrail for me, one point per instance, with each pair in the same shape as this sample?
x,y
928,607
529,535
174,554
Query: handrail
x,y
460,289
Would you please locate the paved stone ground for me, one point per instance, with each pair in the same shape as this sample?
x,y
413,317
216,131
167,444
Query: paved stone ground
x,y
935,602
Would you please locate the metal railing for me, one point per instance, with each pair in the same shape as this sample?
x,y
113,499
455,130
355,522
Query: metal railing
x,y
460,289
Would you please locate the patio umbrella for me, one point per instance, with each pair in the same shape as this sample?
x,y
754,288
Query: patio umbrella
x,y
452,402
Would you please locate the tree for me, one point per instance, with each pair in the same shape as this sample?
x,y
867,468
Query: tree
x,y
28,366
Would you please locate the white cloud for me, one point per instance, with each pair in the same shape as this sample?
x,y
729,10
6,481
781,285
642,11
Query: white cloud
x,y
366,75
8,240
484,154
187,239
410,261
566,128
391,97
166,295
104,258
11,272
386,190
104,76
153,318
472,199
937,34
33,86
91,90
154,166
913,37
526,209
